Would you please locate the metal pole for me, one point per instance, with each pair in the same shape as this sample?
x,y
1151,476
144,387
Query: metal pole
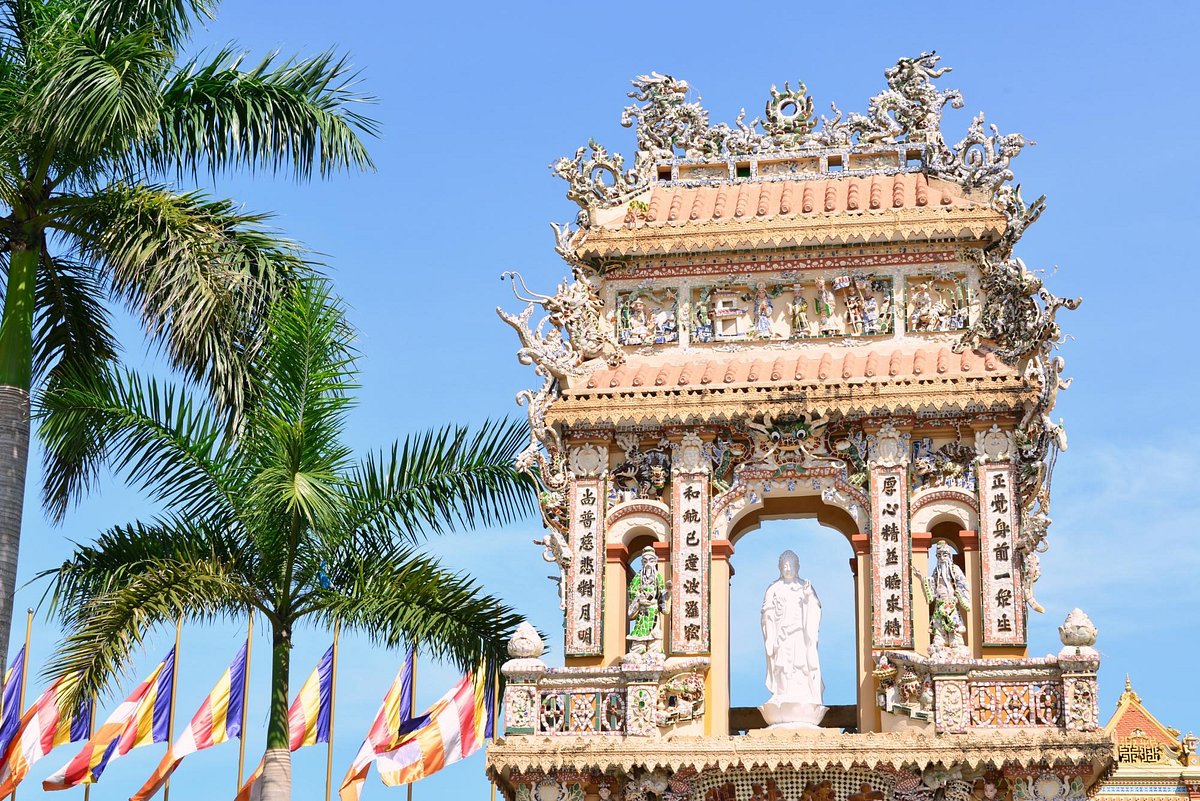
x,y
171,712
337,625
412,701
87,788
245,702
24,674
495,716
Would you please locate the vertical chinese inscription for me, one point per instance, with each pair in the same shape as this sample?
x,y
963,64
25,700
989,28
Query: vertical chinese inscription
x,y
891,543
690,548
586,575
1002,606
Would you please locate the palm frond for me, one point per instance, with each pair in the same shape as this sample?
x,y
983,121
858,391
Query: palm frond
x,y
198,272
292,115
97,93
72,327
171,20
135,578
300,398
395,595
440,480
163,440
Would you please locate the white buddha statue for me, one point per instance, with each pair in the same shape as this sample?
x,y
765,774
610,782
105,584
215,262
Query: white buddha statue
x,y
791,621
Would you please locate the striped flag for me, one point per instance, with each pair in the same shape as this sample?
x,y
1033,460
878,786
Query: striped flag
x,y
10,719
308,717
452,729
218,719
46,724
394,711
140,720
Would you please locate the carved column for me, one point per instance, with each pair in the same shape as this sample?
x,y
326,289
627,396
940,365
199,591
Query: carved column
x,y
969,540
716,690
690,548
616,557
585,578
868,713
890,542
922,541
1002,605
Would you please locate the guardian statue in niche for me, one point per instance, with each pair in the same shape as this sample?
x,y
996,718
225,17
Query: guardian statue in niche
x,y
946,590
791,622
649,600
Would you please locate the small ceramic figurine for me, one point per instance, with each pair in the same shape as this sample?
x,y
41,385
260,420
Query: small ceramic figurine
x,y
762,312
825,302
798,310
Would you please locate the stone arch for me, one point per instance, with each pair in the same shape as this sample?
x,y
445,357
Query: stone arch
x,y
818,493
636,520
934,508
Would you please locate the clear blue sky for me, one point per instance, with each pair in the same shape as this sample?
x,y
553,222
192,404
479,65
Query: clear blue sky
x,y
476,100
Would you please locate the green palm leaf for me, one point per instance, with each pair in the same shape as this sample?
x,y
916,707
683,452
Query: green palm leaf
x,y
279,115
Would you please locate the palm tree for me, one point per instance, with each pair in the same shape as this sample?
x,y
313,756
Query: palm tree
x,y
278,521
95,114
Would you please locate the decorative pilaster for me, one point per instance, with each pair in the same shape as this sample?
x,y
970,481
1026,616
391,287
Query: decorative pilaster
x,y
1002,605
521,673
891,583
690,548
585,578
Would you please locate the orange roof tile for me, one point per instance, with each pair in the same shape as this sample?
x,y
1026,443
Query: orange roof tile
x,y
829,366
674,205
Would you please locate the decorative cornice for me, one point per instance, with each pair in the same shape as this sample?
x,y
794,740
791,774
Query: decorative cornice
x,y
895,750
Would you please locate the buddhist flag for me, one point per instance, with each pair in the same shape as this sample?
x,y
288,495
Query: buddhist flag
x,y
308,717
141,719
452,729
46,724
394,711
218,719
10,718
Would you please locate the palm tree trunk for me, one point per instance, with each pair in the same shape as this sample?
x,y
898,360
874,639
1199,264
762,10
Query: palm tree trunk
x,y
16,367
14,459
277,762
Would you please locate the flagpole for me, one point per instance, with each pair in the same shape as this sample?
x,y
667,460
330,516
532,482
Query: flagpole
x,y
412,701
495,716
337,625
87,788
171,711
24,674
245,701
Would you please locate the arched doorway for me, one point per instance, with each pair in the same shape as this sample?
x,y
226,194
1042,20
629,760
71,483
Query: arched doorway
x,y
820,516
824,560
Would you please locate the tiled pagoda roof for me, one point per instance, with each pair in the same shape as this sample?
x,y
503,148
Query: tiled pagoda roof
x,y
822,210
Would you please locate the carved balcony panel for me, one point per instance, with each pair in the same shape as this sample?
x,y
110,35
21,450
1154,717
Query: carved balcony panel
x,y
646,699
1053,692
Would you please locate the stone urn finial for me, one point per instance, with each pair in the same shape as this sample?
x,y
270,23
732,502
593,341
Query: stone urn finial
x,y
1078,635
526,643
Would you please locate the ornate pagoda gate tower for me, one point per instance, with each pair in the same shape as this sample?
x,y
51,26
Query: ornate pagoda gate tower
x,y
792,318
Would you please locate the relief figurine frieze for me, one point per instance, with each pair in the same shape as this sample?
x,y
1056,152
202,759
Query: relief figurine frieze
x,y
793,308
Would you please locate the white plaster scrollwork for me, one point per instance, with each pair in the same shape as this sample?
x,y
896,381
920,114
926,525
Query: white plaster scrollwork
x,y
995,445
588,461
689,455
951,701
888,447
